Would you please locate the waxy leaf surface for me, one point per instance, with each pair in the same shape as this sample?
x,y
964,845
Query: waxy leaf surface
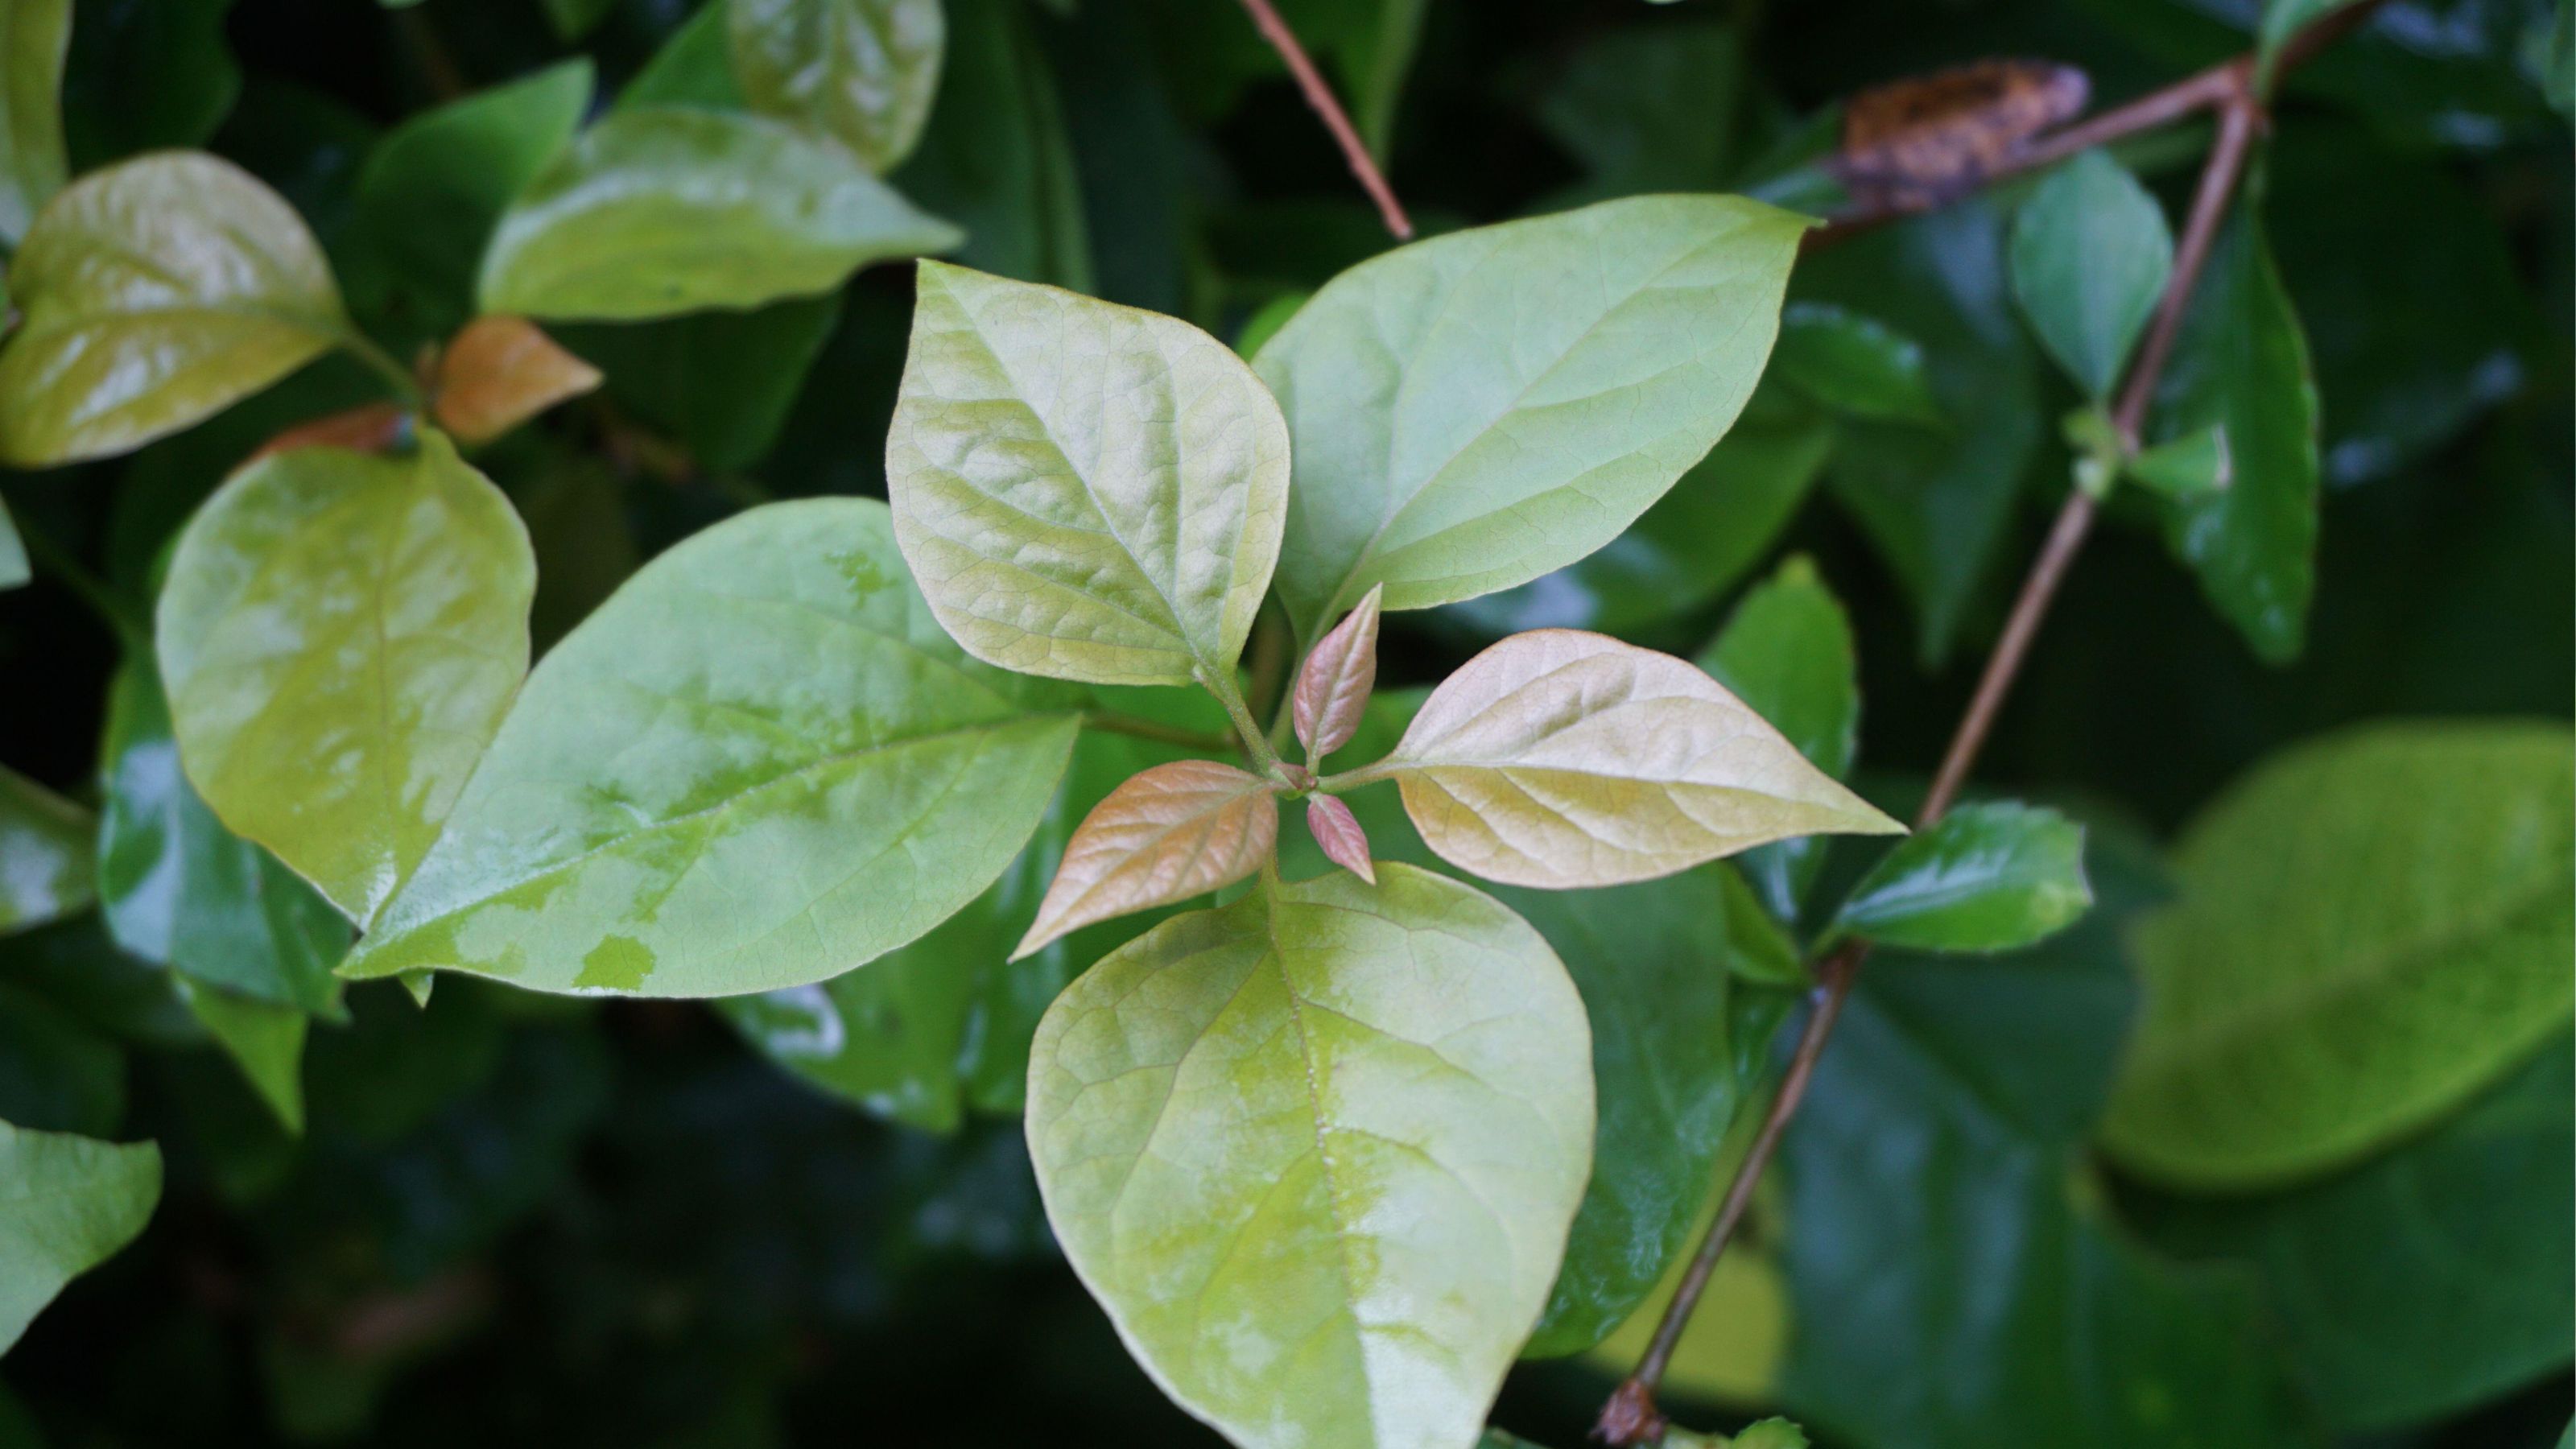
x,y
264,1040
1085,490
2090,254
861,72
663,210
33,37
1985,877
1476,410
1854,364
759,764
1787,652
154,293
46,871
1173,832
66,1205
1316,1152
2370,928
340,636
1561,759
1333,684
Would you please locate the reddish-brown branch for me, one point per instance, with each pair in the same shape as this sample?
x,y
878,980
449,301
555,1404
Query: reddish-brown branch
x,y
1320,97
1631,1417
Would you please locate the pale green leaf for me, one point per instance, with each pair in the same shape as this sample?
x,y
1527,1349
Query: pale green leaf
x,y
1985,877
340,635
660,210
1787,652
2370,927
1476,410
263,1039
1560,759
67,1204
46,869
861,72
154,293
1316,1153
1085,490
759,764
2090,254
34,36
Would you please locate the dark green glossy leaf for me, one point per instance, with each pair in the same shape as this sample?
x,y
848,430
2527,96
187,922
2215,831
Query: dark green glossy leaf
x,y
2241,364
1690,547
1935,502
264,1039
1854,364
34,37
1788,653
146,74
2372,927
57,1073
433,189
661,210
2090,254
46,867
760,764
1677,1046
340,634
721,383
2433,1277
1984,878
154,293
1649,108
861,72
67,1204
996,158
180,890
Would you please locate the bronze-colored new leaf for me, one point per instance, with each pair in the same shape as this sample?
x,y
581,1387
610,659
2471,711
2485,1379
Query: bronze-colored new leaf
x,y
1333,688
1559,758
1170,833
1338,831
499,372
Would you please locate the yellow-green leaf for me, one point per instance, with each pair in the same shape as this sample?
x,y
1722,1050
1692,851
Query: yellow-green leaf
x,y
1085,491
154,293
34,37
340,636
1173,832
759,764
859,71
1558,758
67,1204
1316,1153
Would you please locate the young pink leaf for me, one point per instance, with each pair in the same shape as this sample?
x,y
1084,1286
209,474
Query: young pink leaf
x,y
1334,686
1338,831
1169,833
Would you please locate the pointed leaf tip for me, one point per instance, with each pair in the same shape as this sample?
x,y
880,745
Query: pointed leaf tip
x,y
1333,687
498,372
1169,833
1338,831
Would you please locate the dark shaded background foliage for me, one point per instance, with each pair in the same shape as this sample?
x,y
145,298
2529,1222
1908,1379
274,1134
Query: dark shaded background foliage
x,y
525,1220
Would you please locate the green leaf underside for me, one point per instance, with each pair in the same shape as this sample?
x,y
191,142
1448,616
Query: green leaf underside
x,y
2090,254
1476,410
66,1205
2371,927
1986,877
2240,364
1558,758
661,210
861,72
46,867
340,636
152,294
759,764
1316,1153
1085,491
34,35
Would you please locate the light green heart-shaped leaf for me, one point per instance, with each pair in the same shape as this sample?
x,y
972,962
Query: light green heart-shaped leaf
x,y
2090,254
2370,928
1987,877
46,869
859,71
1316,1153
340,635
67,1204
1559,759
759,764
34,37
1476,410
1085,490
151,294
660,210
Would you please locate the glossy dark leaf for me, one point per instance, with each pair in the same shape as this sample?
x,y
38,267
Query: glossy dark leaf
x,y
1788,653
2090,254
996,158
1983,878
1854,364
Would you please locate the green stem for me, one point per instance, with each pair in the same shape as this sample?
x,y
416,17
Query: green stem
x,y
1146,729
1256,743
1353,779
406,389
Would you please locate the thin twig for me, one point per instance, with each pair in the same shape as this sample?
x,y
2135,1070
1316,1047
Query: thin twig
x,y
1320,97
1630,1417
